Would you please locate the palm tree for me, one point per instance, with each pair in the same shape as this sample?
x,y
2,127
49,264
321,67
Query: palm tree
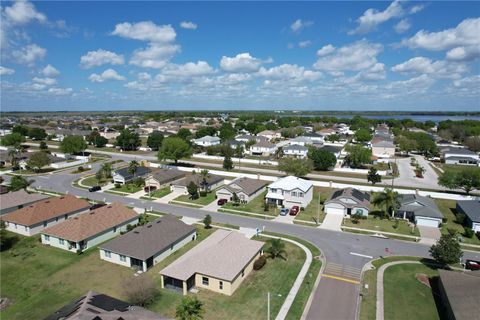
x,y
12,154
107,170
388,199
190,309
204,183
276,248
132,168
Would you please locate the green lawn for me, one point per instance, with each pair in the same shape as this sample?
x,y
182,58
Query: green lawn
x,y
127,188
92,181
311,211
407,298
200,201
385,225
447,207
256,205
160,193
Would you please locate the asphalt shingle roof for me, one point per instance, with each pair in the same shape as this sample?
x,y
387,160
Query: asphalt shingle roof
x,y
471,209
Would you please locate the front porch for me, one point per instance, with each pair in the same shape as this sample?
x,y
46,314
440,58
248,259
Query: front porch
x,y
177,285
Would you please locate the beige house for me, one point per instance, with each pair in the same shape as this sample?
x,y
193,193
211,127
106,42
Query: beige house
x,y
383,149
219,263
245,188
159,178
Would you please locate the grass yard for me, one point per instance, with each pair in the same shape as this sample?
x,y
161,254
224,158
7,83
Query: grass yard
x,y
160,193
447,207
407,298
256,206
203,201
385,225
92,181
127,188
311,211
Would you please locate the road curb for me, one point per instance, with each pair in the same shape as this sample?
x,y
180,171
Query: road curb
x,y
315,286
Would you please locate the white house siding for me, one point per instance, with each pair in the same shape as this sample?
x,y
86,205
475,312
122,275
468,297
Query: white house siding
x,y
427,221
184,190
118,179
115,258
476,227
291,201
383,152
55,242
224,194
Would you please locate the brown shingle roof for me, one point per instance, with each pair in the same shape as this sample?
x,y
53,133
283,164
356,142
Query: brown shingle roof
x,y
197,179
92,223
247,185
45,210
20,197
163,176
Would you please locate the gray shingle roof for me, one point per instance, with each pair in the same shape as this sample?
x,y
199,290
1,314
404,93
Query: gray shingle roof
x,y
166,175
141,171
427,207
295,147
247,185
197,179
18,198
471,208
149,239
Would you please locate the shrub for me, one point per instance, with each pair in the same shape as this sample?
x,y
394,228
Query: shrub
x,y
117,185
460,218
468,233
259,263
395,224
81,169
203,194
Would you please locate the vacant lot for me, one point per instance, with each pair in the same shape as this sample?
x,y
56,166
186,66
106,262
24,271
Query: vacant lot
x,y
386,225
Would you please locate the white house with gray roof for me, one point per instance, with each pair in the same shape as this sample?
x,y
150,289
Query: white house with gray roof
x,y
421,210
383,149
290,191
471,210
347,202
460,156
295,150
207,141
263,149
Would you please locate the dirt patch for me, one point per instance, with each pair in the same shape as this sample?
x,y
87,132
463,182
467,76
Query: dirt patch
x,y
4,303
423,278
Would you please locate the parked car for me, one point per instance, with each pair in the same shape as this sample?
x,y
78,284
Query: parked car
x,y
149,188
472,265
221,202
283,211
294,210
94,188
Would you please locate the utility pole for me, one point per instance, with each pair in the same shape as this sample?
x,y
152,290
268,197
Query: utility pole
x,y
318,208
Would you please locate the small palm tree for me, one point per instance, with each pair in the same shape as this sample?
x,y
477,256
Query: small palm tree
x,y
388,199
189,309
204,183
276,248
107,170
132,168
12,154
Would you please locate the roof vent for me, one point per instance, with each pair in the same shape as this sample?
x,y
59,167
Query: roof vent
x,y
48,201
149,226
62,197
158,221
109,206
136,232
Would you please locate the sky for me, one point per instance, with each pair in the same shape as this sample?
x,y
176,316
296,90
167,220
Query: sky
x,y
358,56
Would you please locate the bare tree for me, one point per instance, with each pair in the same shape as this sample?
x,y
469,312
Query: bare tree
x,y
140,290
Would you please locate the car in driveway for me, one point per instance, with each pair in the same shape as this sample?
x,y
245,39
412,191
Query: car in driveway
x,y
472,265
283,211
294,210
94,188
221,202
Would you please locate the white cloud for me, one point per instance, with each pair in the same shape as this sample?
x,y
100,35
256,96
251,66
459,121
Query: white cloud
x,y
372,17
60,91
154,56
242,62
143,76
50,71
325,50
29,54
468,82
106,75
6,71
100,57
22,12
187,70
402,26
465,34
357,56
188,25
304,44
299,24
289,72
464,53
45,81
422,65
376,72
417,8
145,31
413,85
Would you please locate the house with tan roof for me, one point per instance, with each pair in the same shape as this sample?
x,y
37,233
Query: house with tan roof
x,y
159,178
91,228
245,188
147,245
12,201
219,263
32,219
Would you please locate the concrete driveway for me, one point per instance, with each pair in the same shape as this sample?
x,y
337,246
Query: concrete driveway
x,y
429,235
169,197
333,222
212,206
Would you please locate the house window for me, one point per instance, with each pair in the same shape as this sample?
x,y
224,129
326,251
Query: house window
x,y
26,228
220,285
171,247
123,258
65,216
108,254
273,190
56,219
47,238
15,226
205,281
294,194
114,229
300,194
61,241
44,223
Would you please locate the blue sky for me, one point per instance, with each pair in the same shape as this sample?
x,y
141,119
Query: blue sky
x,y
240,56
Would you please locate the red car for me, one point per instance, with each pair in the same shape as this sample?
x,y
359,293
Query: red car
x,y
221,202
472,265
294,210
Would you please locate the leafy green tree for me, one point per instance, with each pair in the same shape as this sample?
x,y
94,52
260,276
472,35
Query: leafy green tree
x,y
128,140
133,167
106,170
323,160
295,166
190,308
184,134
227,132
13,139
358,156
20,129
73,145
99,175
473,143
447,250
207,221
205,131
174,148
388,200
363,135
333,137
19,182
276,248
37,133
192,190
373,176
238,152
405,144
43,146
467,179
155,140
38,160
205,174
227,163
235,199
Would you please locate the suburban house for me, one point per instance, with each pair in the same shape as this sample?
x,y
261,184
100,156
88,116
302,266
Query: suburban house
x,y
212,182
325,132
270,134
245,138
12,201
162,177
91,228
421,210
123,175
333,149
219,263
348,202
471,210
207,141
290,191
98,306
383,149
302,141
295,150
32,219
314,137
109,133
461,156
234,144
147,245
263,149
459,294
245,188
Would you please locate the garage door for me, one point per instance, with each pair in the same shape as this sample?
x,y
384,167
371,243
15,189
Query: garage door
x,y
427,222
329,210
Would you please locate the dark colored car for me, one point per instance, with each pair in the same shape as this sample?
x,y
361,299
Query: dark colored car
x,y
294,210
221,202
94,188
472,265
